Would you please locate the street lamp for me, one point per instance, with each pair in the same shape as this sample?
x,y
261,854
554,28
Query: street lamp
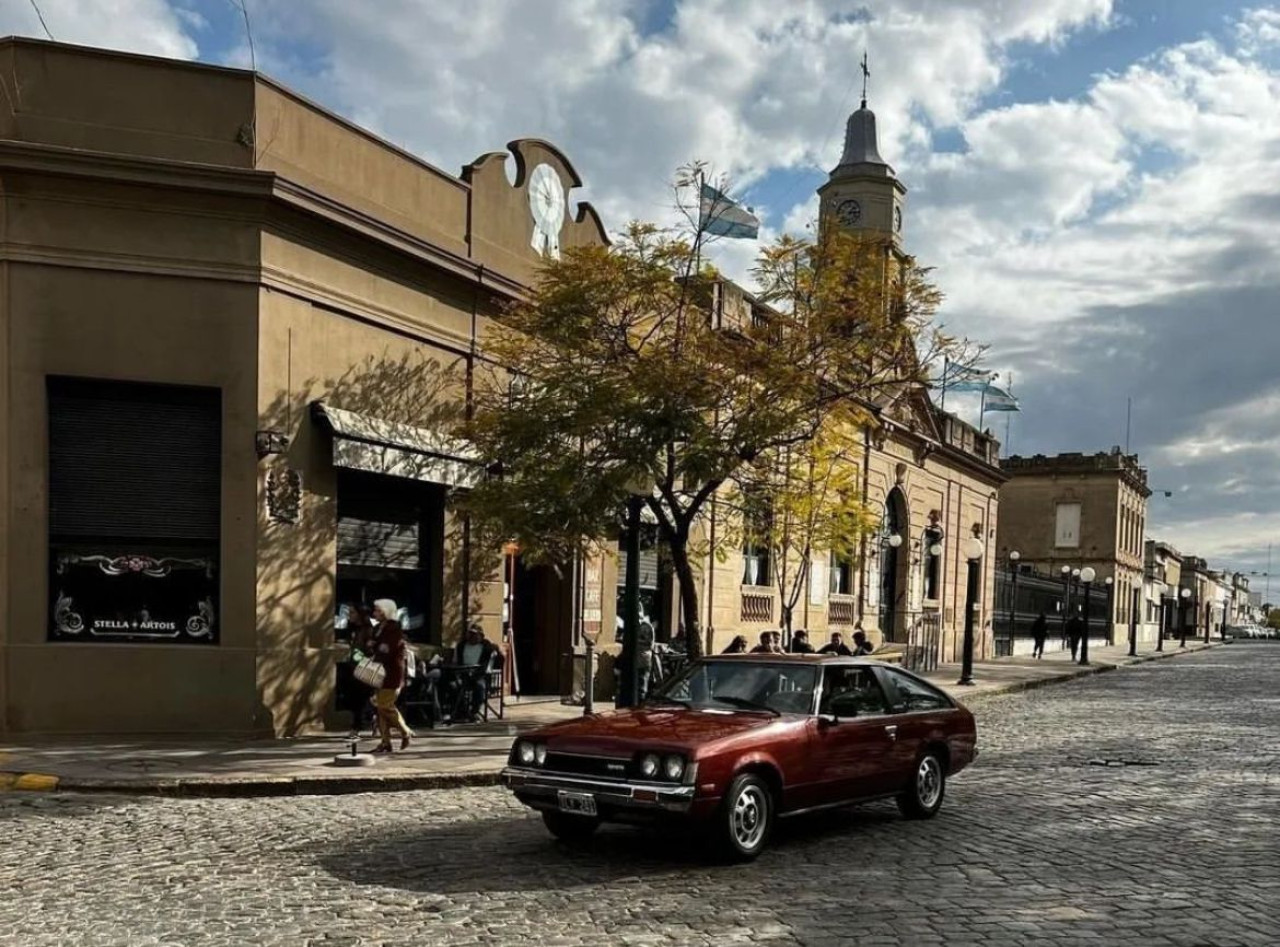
x,y
1086,576
628,684
1182,614
1111,609
895,540
1066,599
1208,620
1014,556
972,549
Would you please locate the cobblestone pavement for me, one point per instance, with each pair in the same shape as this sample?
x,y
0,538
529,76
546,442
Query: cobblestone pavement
x,y
1037,844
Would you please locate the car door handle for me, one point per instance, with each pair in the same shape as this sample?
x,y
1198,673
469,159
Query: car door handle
x,y
892,732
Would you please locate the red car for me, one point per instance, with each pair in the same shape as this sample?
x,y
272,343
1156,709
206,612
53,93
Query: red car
x,y
736,741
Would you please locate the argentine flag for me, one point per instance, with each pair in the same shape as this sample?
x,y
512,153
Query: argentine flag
x,y
720,216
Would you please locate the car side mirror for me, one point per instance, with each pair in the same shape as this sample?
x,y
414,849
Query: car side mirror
x,y
827,720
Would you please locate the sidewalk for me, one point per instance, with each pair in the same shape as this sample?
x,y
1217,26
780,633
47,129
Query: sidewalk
x,y
468,755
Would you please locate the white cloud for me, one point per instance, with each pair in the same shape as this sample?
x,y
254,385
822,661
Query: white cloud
x,y
138,26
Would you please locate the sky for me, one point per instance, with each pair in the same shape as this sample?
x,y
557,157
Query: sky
x,y
1095,182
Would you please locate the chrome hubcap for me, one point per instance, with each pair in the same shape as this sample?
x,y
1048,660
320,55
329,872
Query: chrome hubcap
x,y
750,811
929,782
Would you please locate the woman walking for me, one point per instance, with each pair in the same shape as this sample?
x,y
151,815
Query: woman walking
x,y
389,650
1039,631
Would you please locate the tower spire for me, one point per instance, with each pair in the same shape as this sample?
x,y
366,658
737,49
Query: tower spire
x,y
866,74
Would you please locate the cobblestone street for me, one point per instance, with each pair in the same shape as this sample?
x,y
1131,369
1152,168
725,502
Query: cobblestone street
x,y
1037,844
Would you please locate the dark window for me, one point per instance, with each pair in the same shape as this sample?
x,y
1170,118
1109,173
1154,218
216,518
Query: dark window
x,y
908,694
851,692
932,564
841,575
391,545
756,565
134,509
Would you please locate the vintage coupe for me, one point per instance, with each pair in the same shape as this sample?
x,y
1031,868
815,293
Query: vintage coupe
x,y
736,741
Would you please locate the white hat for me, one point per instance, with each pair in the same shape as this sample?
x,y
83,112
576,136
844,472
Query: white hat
x,y
388,607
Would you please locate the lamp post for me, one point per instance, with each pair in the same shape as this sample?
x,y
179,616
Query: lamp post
x,y
629,679
1182,615
1014,556
972,549
1160,625
1208,619
1086,576
1066,600
1111,609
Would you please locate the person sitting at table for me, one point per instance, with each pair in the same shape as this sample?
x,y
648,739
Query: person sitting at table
x,y
475,651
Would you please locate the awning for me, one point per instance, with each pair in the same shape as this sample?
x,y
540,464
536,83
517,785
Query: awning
x,y
361,442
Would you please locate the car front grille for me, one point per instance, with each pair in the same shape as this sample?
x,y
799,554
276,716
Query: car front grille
x,y
608,767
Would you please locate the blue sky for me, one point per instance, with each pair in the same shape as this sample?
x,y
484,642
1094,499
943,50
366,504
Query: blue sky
x,y
1095,181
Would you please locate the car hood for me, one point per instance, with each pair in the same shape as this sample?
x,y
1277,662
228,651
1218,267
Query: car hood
x,y
626,731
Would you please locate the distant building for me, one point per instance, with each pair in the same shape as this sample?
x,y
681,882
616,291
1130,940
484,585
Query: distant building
x,y
1072,511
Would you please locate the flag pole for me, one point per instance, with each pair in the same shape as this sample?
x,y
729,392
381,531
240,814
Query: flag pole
x,y
982,410
946,363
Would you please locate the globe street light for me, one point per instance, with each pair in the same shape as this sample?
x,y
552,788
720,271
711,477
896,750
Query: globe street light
x,y
972,549
1086,576
1014,556
1182,614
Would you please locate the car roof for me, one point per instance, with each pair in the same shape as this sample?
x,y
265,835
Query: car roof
x,y
787,658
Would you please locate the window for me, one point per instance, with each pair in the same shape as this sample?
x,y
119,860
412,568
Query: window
x,y
841,575
755,545
851,692
1067,533
908,694
135,503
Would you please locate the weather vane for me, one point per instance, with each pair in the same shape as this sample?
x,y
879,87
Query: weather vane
x,y
866,74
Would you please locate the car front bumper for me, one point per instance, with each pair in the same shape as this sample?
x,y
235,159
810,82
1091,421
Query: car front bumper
x,y
615,799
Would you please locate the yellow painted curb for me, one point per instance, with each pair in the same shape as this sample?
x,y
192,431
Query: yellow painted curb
x,y
28,782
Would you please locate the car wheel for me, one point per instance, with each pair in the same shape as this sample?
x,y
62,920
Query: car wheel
x,y
570,828
923,796
746,817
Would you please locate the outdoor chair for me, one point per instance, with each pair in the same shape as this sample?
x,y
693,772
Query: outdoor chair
x,y
495,702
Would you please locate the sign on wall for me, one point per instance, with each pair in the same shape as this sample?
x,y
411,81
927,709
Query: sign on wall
x,y
1067,531
133,597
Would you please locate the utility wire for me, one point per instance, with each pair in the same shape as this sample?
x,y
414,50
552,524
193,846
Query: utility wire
x,y
43,24
248,32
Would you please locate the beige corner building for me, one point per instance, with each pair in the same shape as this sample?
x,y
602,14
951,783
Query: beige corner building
x,y
228,319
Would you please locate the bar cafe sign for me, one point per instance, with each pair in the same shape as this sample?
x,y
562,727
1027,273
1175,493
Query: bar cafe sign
x,y
133,597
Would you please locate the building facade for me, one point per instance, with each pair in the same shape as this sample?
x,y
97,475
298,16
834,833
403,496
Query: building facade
x,y
230,324
930,479
1074,511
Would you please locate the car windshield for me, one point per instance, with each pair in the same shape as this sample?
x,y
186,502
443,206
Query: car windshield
x,y
781,688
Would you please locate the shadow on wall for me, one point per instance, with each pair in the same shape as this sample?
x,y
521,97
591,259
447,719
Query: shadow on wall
x,y
297,530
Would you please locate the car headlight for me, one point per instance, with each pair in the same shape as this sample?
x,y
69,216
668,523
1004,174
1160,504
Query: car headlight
x,y
525,752
673,768
649,765
540,753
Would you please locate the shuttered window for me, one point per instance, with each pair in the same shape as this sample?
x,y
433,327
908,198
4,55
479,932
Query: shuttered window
x,y
134,510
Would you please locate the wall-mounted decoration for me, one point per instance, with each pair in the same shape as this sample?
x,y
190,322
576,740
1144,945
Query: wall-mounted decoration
x,y
284,495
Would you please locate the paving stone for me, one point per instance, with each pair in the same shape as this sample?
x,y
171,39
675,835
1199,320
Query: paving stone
x,y
1034,846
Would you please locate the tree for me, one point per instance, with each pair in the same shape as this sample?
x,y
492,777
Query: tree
x,y
624,366
802,500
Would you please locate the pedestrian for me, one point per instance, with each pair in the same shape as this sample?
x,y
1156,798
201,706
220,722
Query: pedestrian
x,y
836,646
358,696
737,646
644,660
1039,630
766,644
861,646
389,650
800,642
1075,630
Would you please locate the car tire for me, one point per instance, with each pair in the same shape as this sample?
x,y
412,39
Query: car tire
x,y
922,798
745,818
574,829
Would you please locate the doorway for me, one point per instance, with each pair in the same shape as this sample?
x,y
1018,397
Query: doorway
x,y
541,626
892,540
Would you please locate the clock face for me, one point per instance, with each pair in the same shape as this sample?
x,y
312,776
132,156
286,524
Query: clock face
x,y
897,220
547,205
849,212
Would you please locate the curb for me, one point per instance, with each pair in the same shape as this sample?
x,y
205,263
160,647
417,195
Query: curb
x,y
264,786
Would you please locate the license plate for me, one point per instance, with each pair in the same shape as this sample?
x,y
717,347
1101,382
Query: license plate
x,y
579,803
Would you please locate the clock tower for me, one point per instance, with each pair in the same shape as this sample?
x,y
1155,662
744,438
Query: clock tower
x,y
862,193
